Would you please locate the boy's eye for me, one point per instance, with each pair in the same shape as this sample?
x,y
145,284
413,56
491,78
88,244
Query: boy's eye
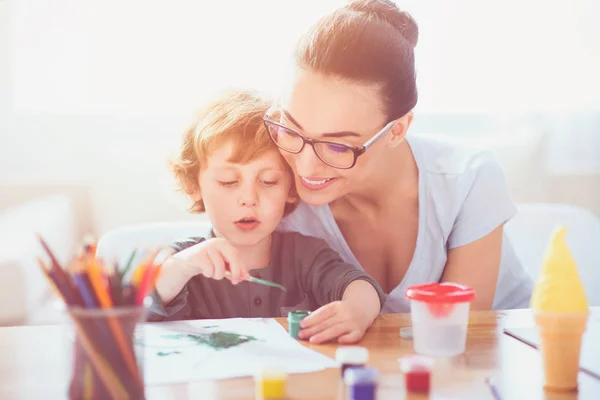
x,y
227,183
270,183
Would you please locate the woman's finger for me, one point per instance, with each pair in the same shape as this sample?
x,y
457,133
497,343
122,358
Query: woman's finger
x,y
218,262
330,333
321,314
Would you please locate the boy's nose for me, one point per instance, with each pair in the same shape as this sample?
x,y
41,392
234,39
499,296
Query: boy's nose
x,y
248,197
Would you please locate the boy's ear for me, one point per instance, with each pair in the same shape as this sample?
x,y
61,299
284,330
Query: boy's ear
x,y
195,195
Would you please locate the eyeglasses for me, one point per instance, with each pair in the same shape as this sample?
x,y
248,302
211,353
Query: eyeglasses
x,y
336,155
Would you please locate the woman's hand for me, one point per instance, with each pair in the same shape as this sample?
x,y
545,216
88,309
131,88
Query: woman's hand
x,y
347,320
214,258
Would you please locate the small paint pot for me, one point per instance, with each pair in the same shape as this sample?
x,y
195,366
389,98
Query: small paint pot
x,y
270,383
417,373
294,319
351,357
361,383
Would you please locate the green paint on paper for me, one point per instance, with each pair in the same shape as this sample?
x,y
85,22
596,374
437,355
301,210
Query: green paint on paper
x,y
216,340
167,353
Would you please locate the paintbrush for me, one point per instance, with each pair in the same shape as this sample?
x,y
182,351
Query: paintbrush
x,y
228,276
259,281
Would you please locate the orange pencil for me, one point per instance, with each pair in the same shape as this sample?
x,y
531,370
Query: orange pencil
x,y
105,302
138,275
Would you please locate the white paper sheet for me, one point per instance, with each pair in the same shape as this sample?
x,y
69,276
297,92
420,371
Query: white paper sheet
x,y
185,351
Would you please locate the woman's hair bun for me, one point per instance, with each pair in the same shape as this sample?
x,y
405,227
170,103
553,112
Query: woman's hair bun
x,y
388,11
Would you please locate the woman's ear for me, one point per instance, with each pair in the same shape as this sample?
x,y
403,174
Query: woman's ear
x,y
400,128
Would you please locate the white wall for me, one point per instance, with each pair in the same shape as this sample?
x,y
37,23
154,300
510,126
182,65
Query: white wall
x,y
115,165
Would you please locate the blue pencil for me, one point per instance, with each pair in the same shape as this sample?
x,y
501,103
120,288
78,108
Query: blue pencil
x,y
80,281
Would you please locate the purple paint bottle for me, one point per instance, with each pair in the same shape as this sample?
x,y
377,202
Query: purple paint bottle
x,y
361,383
351,357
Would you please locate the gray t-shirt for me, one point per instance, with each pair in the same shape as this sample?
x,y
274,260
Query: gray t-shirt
x,y
312,272
463,196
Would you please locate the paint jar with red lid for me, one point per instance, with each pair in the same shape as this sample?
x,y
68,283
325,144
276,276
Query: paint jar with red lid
x,y
439,315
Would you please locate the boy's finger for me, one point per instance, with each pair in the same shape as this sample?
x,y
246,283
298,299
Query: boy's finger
x,y
218,263
350,337
244,274
329,334
323,325
232,258
207,266
321,314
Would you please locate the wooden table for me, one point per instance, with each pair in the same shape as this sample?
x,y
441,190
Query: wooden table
x,y
33,366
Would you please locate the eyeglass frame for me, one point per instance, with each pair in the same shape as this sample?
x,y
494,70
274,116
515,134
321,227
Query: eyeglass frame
x,y
356,150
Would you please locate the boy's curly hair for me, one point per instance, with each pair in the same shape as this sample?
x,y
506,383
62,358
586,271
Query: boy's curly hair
x,y
235,116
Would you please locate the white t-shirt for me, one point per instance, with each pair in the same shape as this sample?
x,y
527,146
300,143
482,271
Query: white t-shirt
x,y
463,196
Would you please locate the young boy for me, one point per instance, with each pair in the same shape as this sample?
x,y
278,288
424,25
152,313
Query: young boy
x,y
232,170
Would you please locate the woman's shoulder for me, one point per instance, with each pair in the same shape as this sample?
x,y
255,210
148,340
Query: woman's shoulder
x,y
449,157
462,183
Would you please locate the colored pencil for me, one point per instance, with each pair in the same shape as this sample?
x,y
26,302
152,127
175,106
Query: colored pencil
x,y
88,283
109,378
105,302
129,264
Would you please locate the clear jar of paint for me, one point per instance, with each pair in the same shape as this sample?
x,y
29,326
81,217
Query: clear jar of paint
x,y
294,319
361,383
439,314
351,357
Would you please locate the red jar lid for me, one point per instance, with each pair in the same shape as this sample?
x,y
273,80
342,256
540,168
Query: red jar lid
x,y
440,293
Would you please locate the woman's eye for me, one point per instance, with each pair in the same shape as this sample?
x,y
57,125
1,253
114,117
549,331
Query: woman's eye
x,y
227,183
337,148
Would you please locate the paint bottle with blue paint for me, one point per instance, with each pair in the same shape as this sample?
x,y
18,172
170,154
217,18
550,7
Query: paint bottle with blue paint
x,y
294,319
361,383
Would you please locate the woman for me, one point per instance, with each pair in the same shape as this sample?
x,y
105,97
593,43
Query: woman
x,y
406,209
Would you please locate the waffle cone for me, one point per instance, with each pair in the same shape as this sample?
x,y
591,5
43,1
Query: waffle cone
x,y
560,346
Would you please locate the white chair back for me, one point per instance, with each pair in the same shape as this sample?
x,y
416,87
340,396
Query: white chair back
x,y
119,243
530,230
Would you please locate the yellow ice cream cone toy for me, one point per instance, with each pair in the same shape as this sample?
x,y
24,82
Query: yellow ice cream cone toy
x,y
561,312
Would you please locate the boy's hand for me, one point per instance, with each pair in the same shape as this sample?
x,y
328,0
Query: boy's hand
x,y
347,320
214,258
334,320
